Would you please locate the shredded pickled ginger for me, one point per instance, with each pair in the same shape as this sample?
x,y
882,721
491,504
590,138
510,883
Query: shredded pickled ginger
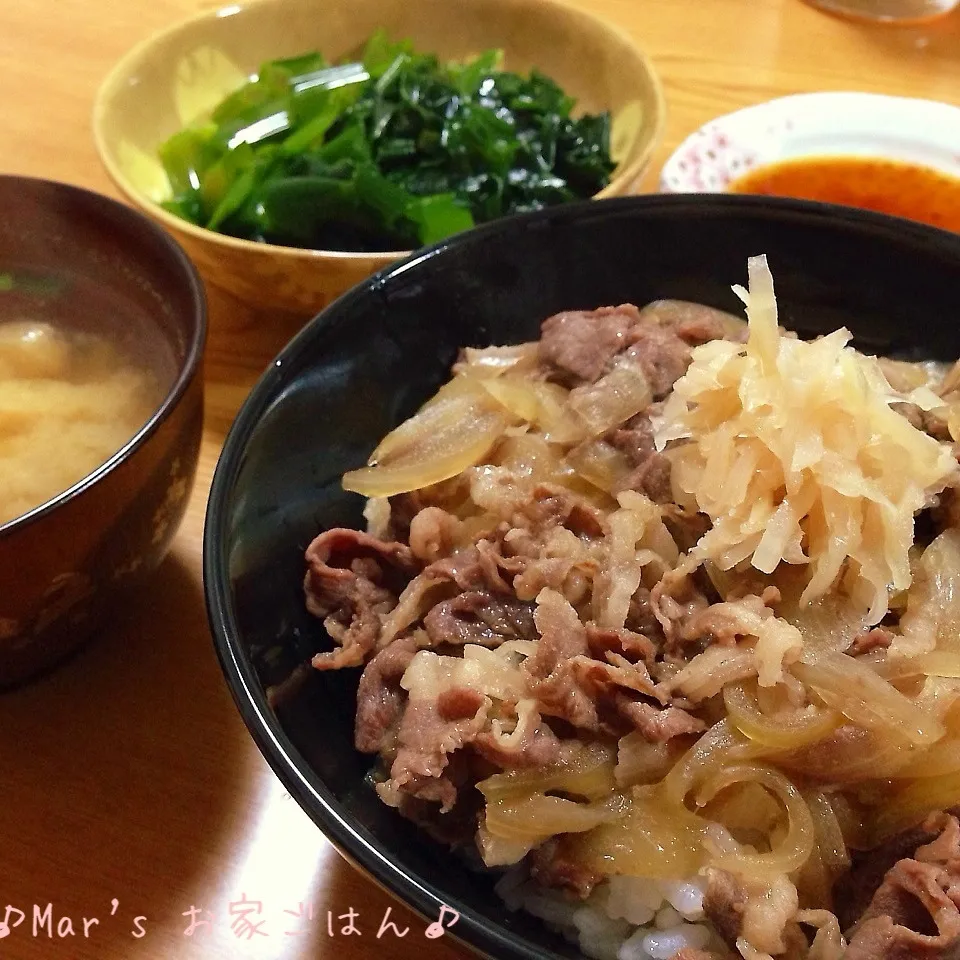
x,y
793,450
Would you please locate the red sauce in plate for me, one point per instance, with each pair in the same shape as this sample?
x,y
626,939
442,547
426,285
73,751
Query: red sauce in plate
x,y
888,186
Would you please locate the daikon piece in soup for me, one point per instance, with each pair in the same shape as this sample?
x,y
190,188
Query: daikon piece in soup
x,y
79,377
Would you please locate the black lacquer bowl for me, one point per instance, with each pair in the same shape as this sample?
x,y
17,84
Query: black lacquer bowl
x,y
371,358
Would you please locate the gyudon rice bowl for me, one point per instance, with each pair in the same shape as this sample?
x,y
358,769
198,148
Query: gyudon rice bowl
x,y
659,616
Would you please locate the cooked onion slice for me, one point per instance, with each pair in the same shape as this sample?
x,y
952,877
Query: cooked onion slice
x,y
939,663
708,672
932,618
588,773
831,623
793,849
542,405
721,744
614,398
600,463
489,362
908,806
524,818
860,695
452,432
787,729
498,852
940,759
641,762
849,755
652,838
830,840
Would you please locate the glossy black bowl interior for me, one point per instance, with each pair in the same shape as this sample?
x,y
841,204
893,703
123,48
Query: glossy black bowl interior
x,y
372,357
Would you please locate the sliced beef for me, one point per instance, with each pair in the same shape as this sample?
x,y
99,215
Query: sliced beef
x,y
910,412
651,470
635,438
945,846
935,424
695,323
601,680
583,692
641,617
469,570
403,508
915,911
562,635
722,623
352,581
551,573
879,638
551,672
532,744
457,827
429,732
762,910
497,568
577,345
480,617
652,479
677,601
662,355
380,697
656,723
854,891
554,506
946,513
561,695
629,644
458,703
662,343
685,526
551,867
883,939
724,904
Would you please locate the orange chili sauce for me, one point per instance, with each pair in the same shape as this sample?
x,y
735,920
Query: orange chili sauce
x,y
888,186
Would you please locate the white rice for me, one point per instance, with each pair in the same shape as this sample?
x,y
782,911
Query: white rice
x,y
625,918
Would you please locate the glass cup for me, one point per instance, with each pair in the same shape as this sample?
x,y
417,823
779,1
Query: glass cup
x,y
888,11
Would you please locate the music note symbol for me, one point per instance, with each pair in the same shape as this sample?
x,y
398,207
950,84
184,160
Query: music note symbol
x,y
437,929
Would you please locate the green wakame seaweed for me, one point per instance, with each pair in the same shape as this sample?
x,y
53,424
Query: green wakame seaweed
x,y
389,153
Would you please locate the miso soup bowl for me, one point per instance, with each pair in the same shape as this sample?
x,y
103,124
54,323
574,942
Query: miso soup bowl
x,y
66,564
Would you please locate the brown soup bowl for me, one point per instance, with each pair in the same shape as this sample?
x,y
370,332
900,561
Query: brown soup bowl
x,y
66,564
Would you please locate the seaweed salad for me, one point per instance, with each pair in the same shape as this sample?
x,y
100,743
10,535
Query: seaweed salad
x,y
390,152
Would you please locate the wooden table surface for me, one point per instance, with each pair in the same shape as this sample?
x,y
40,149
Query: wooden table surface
x,y
132,795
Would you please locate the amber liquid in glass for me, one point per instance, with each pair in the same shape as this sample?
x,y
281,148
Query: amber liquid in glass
x,y
888,11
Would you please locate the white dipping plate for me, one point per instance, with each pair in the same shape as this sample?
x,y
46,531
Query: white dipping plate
x,y
815,124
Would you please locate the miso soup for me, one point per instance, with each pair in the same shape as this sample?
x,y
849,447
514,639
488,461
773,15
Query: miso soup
x,y
74,387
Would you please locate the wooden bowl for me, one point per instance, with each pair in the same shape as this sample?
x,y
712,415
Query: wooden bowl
x,y
67,564
180,74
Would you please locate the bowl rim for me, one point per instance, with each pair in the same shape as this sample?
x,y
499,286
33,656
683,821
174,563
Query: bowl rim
x,y
187,370
122,69
317,801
